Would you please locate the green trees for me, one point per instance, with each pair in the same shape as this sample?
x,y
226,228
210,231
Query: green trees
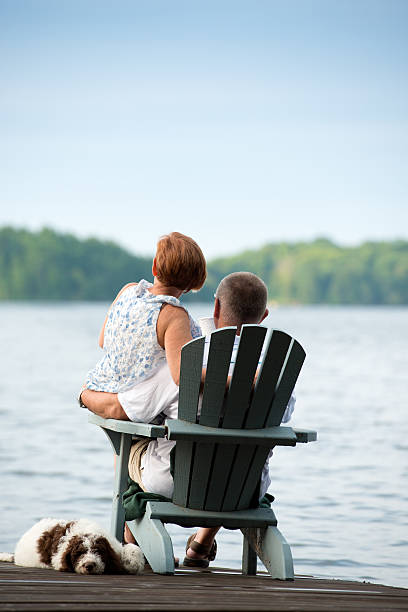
x,y
46,265
321,272
50,266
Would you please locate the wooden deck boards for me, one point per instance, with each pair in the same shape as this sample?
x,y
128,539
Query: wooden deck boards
x,y
26,589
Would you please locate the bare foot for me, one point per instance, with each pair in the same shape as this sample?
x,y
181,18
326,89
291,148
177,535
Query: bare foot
x,y
128,536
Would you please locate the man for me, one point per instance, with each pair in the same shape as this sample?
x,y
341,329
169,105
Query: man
x,y
240,298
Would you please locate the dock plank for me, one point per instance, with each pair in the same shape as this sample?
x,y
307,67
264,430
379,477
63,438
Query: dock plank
x,y
27,589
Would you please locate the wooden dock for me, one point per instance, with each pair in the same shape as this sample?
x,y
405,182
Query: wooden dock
x,y
26,589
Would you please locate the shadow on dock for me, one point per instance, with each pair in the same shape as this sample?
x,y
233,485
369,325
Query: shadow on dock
x,y
24,589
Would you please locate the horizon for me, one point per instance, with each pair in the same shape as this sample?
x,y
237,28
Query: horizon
x,y
234,122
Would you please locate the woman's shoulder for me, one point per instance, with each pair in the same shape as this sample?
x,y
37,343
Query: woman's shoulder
x,y
125,288
138,289
179,313
173,311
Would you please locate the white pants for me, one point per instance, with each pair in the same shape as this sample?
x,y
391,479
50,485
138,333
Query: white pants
x,y
154,399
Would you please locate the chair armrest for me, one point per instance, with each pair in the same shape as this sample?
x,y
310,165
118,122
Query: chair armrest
x,y
136,429
305,435
269,436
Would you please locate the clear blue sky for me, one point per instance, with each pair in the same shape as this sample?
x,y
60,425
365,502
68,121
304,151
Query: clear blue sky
x,y
238,123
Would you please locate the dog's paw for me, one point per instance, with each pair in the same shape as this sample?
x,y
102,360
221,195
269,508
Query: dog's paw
x,y
132,559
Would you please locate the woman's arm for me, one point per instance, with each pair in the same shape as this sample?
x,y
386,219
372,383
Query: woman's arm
x,y
173,332
102,332
103,404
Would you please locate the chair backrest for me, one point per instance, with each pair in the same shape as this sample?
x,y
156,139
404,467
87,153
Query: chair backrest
x,y
225,477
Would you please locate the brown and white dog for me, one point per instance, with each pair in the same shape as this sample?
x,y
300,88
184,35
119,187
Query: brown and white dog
x,y
75,546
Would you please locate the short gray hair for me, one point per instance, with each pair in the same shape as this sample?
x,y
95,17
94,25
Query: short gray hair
x,y
243,297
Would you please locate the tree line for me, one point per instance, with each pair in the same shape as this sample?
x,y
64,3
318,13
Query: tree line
x,y
47,265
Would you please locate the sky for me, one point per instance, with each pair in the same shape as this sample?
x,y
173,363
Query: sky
x,y
236,122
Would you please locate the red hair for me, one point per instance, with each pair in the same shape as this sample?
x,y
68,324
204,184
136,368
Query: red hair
x,y
180,262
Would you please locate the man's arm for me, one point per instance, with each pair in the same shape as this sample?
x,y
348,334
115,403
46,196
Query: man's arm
x,y
105,405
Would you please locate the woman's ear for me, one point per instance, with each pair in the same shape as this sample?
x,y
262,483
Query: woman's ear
x,y
265,314
154,267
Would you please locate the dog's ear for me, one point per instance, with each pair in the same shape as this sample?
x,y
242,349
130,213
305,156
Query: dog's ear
x,y
74,550
111,559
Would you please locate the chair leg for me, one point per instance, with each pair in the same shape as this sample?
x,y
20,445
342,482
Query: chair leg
x,y
155,542
122,448
273,550
249,559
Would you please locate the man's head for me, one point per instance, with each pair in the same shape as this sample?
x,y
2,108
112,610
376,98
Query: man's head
x,y
240,298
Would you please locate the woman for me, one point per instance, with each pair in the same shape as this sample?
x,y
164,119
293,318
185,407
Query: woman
x,y
146,324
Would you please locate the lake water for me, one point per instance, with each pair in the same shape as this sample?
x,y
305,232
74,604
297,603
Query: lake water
x,y
341,502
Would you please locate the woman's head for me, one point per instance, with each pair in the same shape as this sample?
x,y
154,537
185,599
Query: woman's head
x,y
180,262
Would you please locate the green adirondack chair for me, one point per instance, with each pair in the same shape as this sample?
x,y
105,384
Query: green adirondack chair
x,y
220,452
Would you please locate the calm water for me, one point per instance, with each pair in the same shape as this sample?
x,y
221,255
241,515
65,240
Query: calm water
x,y
341,502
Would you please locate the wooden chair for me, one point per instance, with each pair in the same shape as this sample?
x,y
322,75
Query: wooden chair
x,y
221,449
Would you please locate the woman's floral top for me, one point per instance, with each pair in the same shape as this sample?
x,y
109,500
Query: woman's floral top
x,y
132,352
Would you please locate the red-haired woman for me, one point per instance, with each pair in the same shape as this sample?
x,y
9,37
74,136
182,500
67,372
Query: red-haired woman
x,y
146,324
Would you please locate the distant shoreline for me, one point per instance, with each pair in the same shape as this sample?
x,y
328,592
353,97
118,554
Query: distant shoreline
x,y
50,266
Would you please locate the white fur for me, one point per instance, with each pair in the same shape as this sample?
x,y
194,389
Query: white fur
x,y
27,554
131,558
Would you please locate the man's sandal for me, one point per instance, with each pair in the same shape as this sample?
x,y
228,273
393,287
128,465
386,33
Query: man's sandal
x,y
208,552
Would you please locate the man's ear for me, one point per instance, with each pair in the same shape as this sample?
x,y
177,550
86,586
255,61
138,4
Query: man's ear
x,y
154,267
265,314
217,308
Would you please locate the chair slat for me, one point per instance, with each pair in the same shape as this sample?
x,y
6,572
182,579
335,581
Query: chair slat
x,y
238,476
200,475
190,382
224,457
286,385
253,477
239,393
221,345
190,379
270,370
182,469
